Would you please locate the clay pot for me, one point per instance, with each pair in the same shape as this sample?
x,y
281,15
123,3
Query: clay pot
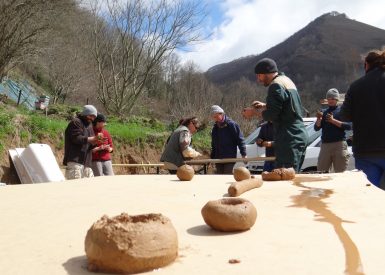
x,y
279,174
274,175
185,172
229,214
287,173
131,244
241,173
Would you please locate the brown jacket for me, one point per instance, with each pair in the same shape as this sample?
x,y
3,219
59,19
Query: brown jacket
x,y
76,146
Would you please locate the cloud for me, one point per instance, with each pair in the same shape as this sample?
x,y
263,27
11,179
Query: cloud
x,y
250,27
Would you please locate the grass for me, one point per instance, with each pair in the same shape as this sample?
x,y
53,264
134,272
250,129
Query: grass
x,y
32,126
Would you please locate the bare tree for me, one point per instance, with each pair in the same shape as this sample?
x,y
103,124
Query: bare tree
x,y
192,94
133,39
21,24
241,94
66,59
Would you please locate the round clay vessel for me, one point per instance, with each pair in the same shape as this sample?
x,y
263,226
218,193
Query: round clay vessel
x,y
131,244
241,173
185,172
229,214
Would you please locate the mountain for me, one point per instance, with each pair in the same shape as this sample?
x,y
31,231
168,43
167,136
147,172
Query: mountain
x,y
326,53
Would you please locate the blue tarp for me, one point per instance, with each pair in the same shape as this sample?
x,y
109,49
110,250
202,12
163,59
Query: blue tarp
x,y
12,90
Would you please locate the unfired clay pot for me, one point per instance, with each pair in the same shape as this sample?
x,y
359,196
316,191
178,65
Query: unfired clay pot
x,y
185,172
279,174
241,173
229,214
131,244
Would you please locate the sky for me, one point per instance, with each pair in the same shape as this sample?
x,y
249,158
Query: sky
x,y
249,27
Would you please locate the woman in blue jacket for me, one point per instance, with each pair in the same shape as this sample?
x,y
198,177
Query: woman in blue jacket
x,y
226,136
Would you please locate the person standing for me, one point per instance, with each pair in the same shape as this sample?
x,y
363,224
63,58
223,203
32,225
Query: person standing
x,y
178,147
79,138
266,139
283,108
364,105
334,149
226,136
101,153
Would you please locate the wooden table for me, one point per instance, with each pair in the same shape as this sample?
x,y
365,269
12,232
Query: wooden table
x,y
314,225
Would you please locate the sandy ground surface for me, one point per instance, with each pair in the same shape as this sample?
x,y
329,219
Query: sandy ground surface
x,y
318,224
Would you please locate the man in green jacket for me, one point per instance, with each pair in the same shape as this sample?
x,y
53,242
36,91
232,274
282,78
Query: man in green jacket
x,y
283,108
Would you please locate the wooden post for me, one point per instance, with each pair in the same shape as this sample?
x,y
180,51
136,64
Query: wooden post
x,y
18,98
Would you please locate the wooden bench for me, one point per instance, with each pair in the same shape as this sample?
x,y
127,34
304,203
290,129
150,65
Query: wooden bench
x,y
141,165
206,162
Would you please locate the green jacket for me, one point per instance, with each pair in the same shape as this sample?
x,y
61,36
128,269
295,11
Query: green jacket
x,y
173,151
284,109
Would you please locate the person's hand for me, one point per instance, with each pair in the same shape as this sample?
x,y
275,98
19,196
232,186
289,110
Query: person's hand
x,y
259,105
93,140
245,157
267,144
105,147
319,114
329,117
259,141
248,112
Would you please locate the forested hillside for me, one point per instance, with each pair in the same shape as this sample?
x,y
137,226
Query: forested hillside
x,y
324,54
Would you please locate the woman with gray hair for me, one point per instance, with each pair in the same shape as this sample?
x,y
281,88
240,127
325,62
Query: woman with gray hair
x,y
226,136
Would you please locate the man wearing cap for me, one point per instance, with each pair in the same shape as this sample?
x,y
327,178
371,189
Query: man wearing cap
x,y
334,149
78,140
226,136
283,108
101,153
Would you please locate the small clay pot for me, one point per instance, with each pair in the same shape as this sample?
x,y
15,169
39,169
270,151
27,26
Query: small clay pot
x,y
185,172
241,173
131,244
229,214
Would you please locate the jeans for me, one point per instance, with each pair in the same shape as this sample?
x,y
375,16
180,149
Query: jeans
x,y
374,169
102,168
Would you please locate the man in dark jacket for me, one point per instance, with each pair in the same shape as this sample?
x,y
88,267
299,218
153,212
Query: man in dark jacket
x,y
266,139
78,140
283,108
226,136
364,105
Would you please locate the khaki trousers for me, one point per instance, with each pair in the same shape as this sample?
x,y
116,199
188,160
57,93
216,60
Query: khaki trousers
x,y
77,171
334,154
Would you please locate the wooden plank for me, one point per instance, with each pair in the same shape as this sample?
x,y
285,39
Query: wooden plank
x,y
228,160
138,164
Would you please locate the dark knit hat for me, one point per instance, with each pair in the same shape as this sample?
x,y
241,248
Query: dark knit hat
x,y
265,66
100,118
